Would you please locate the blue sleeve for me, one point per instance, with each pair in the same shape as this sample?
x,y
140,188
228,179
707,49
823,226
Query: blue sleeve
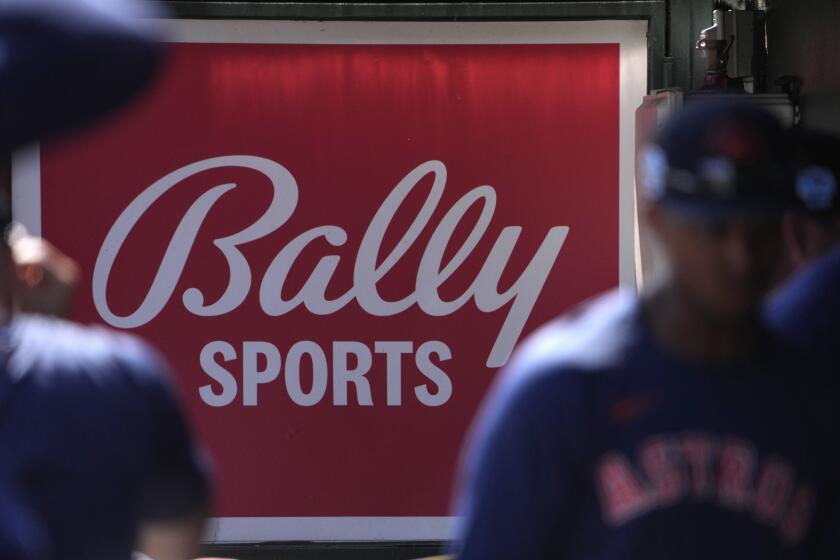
x,y
176,484
520,474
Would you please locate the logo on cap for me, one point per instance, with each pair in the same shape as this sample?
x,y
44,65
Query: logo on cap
x,y
719,175
736,142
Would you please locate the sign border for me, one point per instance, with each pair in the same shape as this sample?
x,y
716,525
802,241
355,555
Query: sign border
x,y
630,35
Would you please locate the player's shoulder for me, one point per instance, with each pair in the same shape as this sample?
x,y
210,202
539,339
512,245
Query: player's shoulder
x,y
556,376
806,310
51,347
587,344
810,293
593,337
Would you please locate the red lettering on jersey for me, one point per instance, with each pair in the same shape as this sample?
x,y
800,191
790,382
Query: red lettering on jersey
x,y
735,471
657,456
773,490
623,496
699,465
798,517
699,450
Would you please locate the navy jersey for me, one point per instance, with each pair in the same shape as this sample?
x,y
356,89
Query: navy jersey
x,y
806,311
93,441
600,444
22,536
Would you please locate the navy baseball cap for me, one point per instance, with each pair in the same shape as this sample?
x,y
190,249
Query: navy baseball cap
x,y
818,173
65,63
720,159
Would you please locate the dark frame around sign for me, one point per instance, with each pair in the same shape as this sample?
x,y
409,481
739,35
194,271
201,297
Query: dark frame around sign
x,y
653,11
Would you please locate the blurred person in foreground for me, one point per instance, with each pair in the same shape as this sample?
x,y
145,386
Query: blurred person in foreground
x,y
806,310
671,426
96,456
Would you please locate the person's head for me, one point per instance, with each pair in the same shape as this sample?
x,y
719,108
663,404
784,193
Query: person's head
x,y
814,226
718,178
65,64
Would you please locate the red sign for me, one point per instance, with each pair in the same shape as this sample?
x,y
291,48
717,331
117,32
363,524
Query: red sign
x,y
337,245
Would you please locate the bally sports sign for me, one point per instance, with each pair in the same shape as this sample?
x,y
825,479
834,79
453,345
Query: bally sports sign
x,y
369,268
336,233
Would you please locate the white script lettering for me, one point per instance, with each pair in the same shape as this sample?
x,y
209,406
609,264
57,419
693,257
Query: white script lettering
x,y
369,267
